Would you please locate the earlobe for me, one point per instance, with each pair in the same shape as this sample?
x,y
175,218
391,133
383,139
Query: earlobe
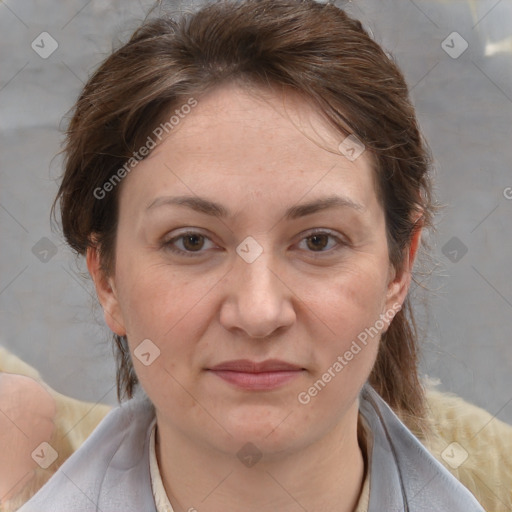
x,y
105,290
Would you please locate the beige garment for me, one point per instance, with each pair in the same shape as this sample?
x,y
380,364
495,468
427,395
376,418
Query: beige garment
x,y
474,445
161,500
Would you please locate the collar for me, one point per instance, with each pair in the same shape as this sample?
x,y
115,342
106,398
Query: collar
x,y
404,476
110,471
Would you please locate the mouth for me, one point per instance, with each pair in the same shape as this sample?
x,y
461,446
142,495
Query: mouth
x,y
251,375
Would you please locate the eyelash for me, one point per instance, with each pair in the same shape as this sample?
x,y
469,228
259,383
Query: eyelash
x,y
168,244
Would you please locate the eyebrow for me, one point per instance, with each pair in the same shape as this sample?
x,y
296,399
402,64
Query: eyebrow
x,y
214,209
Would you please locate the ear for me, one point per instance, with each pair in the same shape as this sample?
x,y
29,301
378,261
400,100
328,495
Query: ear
x,y
399,282
106,292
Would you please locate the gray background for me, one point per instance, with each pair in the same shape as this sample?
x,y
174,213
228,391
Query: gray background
x,y
48,315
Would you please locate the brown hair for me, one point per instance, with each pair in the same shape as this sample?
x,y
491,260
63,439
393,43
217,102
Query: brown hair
x,y
315,49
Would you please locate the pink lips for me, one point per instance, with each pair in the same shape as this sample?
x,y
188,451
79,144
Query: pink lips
x,y
251,375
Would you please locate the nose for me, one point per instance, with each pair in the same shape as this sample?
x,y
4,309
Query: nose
x,y
258,301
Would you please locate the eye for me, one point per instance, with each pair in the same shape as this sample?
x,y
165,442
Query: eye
x,y
191,243
318,241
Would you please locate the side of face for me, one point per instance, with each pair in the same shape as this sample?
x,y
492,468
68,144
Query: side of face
x,y
254,284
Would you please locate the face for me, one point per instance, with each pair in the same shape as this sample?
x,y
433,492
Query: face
x,y
276,251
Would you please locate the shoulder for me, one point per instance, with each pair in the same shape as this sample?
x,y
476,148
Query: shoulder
x,y
474,445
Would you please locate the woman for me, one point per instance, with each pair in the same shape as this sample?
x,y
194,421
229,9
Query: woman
x,y
249,185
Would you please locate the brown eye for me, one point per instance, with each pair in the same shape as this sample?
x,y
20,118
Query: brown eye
x,y
323,242
318,242
193,242
188,244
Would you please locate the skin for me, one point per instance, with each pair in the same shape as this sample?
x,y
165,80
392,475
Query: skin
x,y
257,153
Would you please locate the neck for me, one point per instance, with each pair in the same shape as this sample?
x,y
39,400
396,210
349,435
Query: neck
x,y
325,475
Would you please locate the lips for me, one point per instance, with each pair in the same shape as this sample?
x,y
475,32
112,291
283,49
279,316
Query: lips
x,y
247,366
253,376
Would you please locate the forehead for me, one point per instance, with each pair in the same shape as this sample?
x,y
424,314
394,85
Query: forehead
x,y
256,144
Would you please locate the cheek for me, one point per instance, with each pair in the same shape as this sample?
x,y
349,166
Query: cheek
x,y
151,296
346,345
347,311
351,298
168,308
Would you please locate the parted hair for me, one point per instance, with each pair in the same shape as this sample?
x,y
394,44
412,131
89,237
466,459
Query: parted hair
x,y
312,48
